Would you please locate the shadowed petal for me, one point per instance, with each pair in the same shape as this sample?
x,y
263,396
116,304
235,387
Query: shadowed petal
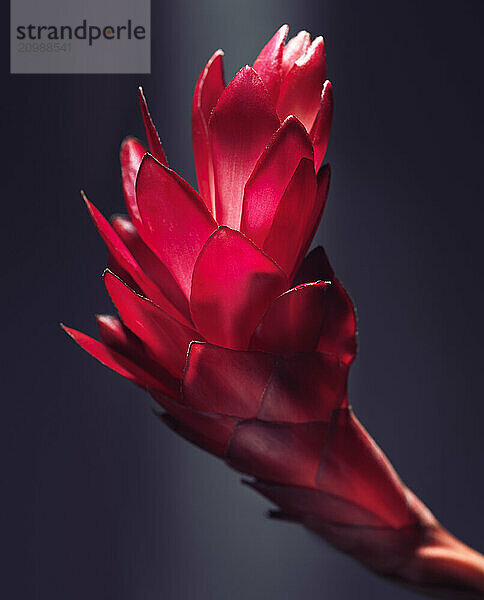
x,y
354,468
306,503
119,363
131,155
301,91
240,127
124,259
338,332
166,339
292,323
270,177
225,381
304,387
299,388
314,216
322,125
115,266
176,222
233,284
268,63
152,267
284,453
153,138
296,214
208,90
118,337
209,431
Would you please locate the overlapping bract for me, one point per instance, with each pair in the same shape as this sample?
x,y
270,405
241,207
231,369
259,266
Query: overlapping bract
x,y
243,339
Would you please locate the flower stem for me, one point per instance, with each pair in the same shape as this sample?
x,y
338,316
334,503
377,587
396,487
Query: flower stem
x,y
444,567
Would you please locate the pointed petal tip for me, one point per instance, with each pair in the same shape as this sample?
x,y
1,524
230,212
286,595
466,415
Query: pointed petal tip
x,y
109,278
103,318
281,33
108,273
151,132
321,128
90,207
74,334
246,70
129,139
147,156
69,330
316,46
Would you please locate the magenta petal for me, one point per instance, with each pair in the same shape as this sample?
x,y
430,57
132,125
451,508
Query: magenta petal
x,y
115,266
176,223
315,267
209,431
116,361
240,128
268,63
124,259
293,322
271,175
301,91
338,333
305,503
225,381
119,338
131,155
208,90
313,216
166,339
355,469
304,387
293,50
151,133
322,125
284,453
153,268
299,388
296,214
233,284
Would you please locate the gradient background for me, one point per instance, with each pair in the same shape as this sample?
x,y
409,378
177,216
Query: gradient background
x,y
99,500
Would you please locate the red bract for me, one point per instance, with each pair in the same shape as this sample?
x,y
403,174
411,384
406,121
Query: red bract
x,y
226,267
244,340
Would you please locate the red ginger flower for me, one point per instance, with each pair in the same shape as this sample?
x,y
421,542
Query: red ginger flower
x,y
244,341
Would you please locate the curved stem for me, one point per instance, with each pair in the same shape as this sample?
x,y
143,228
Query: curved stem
x,y
444,567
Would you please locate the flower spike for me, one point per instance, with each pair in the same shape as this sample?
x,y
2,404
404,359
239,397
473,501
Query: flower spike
x,y
244,339
151,133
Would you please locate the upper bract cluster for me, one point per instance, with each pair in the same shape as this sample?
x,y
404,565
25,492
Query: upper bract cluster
x,y
240,337
222,266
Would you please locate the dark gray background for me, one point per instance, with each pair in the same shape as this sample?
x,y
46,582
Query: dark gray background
x,y
99,501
